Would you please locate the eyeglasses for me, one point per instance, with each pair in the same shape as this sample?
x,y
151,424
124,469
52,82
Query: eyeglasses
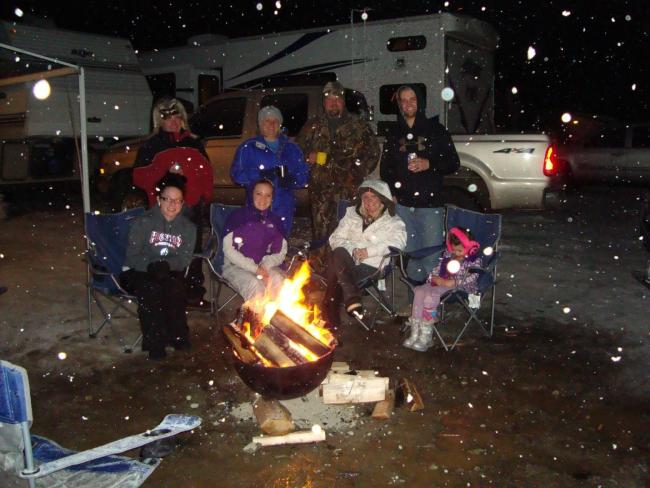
x,y
172,201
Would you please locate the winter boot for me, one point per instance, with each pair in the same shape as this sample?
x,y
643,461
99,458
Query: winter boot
x,y
425,338
415,332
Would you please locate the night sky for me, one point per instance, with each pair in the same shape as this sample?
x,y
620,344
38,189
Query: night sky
x,y
592,56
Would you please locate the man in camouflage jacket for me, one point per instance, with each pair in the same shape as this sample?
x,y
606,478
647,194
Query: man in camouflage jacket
x,y
342,150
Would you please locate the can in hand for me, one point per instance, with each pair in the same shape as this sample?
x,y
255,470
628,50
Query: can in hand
x,y
412,156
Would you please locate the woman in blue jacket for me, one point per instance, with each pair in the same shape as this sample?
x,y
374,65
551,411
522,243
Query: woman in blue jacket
x,y
272,156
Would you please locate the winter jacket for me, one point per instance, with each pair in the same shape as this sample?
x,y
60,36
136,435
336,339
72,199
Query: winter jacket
x,y
464,279
253,238
429,140
255,160
162,140
152,238
352,154
386,231
194,166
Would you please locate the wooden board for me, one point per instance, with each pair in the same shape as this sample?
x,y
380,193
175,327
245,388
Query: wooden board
x,y
384,409
272,417
353,389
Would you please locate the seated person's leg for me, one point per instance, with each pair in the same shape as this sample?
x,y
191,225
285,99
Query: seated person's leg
x,y
341,271
247,284
177,332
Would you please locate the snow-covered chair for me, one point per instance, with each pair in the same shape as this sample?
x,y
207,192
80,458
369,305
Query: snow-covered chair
x,y
41,462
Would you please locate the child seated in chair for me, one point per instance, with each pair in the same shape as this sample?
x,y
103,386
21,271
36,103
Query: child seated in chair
x,y
254,246
452,272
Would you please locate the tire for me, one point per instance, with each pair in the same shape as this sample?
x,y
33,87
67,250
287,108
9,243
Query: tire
x,y
123,195
462,199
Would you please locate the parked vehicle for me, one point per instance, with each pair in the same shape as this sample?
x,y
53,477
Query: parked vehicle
x,y
612,153
432,51
39,138
497,171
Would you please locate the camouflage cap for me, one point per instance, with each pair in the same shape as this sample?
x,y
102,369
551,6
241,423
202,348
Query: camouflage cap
x,y
334,89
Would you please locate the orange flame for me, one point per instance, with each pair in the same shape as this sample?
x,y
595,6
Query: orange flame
x,y
290,300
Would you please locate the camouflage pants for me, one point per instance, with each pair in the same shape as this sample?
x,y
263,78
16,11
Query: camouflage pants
x,y
324,205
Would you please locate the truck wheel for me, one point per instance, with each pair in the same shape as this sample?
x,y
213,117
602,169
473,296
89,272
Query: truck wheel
x,y
462,199
124,195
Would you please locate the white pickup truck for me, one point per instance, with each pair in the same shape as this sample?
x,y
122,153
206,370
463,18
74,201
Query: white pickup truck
x,y
497,171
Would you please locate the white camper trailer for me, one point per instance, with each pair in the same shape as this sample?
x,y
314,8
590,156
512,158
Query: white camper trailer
x,y
432,51
38,137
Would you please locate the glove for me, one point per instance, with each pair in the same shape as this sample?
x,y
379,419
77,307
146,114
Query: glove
x,y
159,269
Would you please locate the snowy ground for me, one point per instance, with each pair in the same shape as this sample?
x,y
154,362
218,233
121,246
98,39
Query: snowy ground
x,y
553,397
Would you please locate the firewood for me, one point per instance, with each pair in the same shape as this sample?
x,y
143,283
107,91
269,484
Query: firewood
x,y
297,334
245,354
283,342
340,367
273,417
409,393
267,347
354,389
384,409
316,434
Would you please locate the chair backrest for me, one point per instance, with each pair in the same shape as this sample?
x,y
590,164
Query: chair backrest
x,y
219,214
15,397
342,208
108,236
486,228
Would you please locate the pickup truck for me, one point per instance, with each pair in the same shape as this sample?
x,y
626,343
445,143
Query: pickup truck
x,y
614,153
497,171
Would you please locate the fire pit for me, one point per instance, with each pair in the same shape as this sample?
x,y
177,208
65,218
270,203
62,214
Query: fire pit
x,y
280,346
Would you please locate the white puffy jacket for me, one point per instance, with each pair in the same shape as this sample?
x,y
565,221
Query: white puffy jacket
x,y
383,232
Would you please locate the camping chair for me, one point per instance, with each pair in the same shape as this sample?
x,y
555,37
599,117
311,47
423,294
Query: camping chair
x,y
213,255
373,285
107,236
486,229
44,463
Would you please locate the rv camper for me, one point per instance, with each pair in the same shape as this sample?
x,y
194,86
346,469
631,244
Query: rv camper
x,y
39,139
432,51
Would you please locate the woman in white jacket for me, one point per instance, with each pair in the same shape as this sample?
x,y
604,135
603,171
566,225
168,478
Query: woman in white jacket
x,y
358,245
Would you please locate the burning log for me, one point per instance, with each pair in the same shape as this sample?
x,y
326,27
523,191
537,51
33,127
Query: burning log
x,y
273,417
298,334
274,347
235,340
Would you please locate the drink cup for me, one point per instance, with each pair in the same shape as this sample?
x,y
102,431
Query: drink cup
x,y
321,158
281,171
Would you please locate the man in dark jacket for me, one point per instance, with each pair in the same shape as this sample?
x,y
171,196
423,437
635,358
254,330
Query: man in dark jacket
x,y
417,154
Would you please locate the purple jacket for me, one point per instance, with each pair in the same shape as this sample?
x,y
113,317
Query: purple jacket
x,y
255,233
464,279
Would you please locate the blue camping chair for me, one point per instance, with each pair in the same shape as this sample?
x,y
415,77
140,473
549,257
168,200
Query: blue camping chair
x,y
44,463
486,229
213,255
373,285
107,236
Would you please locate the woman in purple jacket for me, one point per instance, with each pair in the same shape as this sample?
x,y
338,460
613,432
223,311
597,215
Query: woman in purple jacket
x,y
254,245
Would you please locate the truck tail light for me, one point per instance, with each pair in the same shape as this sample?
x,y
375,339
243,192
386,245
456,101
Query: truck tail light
x,y
551,162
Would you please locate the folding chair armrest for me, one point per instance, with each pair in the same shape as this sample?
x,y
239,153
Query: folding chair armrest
x,y
170,426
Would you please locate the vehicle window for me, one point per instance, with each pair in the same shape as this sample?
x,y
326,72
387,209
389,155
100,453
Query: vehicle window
x,y
294,108
221,118
607,137
162,85
387,94
641,136
209,86
409,43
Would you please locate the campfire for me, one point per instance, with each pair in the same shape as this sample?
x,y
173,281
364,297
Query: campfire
x,y
281,345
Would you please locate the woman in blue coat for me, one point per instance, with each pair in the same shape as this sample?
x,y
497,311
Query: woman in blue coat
x,y
272,156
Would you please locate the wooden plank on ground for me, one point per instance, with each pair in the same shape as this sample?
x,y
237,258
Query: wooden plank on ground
x,y
384,409
354,389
